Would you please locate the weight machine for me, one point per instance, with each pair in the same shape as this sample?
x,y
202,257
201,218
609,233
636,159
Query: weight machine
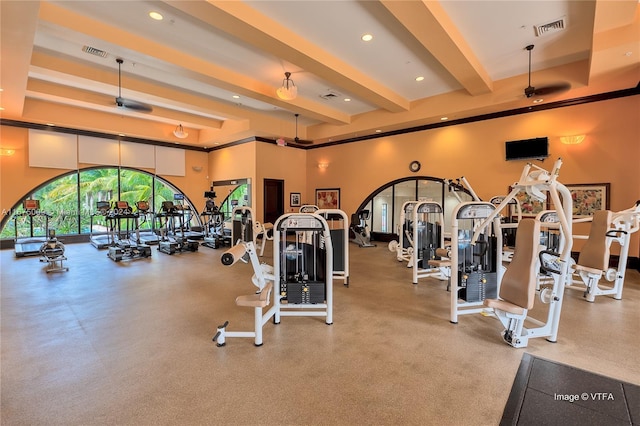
x,y
593,262
245,228
404,247
30,245
516,298
126,243
299,284
475,270
337,221
428,236
52,252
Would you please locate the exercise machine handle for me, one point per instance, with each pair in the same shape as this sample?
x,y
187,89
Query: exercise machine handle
x,y
234,254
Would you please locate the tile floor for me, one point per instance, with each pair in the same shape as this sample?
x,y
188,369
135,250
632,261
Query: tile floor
x,y
129,343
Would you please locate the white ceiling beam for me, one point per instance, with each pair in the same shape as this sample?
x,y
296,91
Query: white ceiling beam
x,y
432,27
247,24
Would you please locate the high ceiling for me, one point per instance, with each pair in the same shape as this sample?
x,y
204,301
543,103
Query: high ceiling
x,y
214,66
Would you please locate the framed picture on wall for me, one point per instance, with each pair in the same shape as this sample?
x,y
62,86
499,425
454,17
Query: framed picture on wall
x,y
294,199
328,198
589,197
530,207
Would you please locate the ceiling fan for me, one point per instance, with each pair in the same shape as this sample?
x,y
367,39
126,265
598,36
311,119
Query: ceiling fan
x,y
531,91
128,103
295,140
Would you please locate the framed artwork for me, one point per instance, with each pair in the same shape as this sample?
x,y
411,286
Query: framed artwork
x,y
589,197
294,199
530,207
328,198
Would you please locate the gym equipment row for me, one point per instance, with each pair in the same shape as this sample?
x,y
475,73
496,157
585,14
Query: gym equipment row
x,y
215,233
172,221
593,262
126,243
300,283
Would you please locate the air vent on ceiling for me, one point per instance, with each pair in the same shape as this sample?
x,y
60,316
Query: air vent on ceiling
x,y
551,27
330,95
93,51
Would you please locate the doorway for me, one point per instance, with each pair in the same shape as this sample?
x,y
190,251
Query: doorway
x,y
273,199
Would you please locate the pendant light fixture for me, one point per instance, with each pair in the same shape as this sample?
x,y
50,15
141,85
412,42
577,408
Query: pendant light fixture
x,y
179,132
288,90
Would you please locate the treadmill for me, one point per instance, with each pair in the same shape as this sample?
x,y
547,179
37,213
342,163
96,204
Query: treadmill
x,y
30,245
147,236
102,240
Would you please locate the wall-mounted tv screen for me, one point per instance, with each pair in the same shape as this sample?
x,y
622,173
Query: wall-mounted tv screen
x,y
536,148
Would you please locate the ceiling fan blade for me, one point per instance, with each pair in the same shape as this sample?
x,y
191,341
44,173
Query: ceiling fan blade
x,y
133,105
551,89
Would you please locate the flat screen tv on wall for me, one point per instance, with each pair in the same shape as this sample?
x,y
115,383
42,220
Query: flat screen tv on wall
x,y
536,148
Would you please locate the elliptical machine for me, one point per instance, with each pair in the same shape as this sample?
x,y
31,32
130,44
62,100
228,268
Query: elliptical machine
x,y
360,229
213,220
52,252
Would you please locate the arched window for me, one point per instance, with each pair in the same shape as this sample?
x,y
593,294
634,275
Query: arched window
x,y
71,200
385,203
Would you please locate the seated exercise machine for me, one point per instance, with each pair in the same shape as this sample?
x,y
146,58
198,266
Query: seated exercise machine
x,y
29,245
263,279
299,284
173,239
428,236
126,242
360,229
52,252
101,240
215,234
404,247
593,262
337,221
246,228
514,303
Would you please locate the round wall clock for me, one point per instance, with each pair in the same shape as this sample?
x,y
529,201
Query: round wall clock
x,y
414,166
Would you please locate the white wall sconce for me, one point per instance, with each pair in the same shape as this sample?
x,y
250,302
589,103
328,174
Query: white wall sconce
x,y
572,140
196,169
323,165
6,152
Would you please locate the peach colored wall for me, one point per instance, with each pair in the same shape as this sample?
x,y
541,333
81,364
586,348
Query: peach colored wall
x,y
610,153
17,178
236,162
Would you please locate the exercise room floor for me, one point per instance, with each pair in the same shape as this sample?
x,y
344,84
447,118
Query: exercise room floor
x,y
129,343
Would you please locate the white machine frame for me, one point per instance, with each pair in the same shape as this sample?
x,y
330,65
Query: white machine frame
x,y
534,180
421,212
477,212
263,279
326,213
258,229
301,224
404,253
623,224
267,278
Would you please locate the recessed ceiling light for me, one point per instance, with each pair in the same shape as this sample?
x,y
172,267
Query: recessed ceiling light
x,y
51,124
444,118
367,37
347,99
537,101
236,97
121,134
155,15
419,78
378,131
